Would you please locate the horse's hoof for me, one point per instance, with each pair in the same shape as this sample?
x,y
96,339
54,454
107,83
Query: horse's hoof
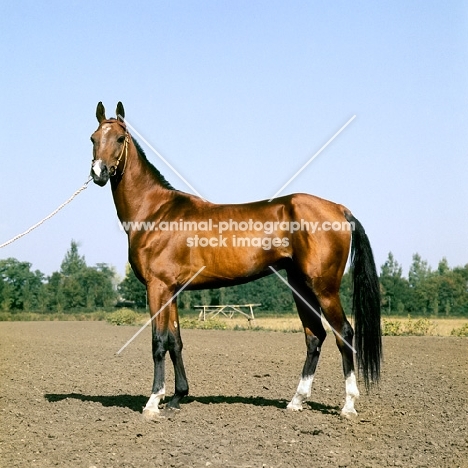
x,y
349,414
151,415
293,408
173,406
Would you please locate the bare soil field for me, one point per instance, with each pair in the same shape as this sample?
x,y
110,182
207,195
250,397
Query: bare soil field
x,y
67,399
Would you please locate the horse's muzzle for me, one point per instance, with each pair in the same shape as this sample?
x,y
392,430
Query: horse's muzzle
x,y
99,173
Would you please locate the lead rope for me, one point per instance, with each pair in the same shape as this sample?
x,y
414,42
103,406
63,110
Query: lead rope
x,y
84,186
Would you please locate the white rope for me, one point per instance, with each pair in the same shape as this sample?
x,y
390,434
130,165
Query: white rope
x,y
85,185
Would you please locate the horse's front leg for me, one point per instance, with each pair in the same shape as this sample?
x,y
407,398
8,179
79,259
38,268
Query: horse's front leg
x,y
165,337
175,351
158,295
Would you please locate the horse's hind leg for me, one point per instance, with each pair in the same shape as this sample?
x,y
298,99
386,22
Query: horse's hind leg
x,y
309,312
333,312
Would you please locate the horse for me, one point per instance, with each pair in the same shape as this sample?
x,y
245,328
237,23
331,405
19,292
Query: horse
x,y
171,246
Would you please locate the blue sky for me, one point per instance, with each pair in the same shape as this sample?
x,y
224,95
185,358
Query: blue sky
x,y
237,96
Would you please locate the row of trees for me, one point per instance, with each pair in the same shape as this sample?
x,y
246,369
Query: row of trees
x,y
443,291
425,292
76,286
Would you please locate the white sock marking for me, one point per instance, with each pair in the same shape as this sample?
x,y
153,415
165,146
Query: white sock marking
x,y
303,391
153,402
352,394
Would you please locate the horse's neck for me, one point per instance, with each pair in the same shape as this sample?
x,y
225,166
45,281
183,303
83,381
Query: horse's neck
x,y
139,193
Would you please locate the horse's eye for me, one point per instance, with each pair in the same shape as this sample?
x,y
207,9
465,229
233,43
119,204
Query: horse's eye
x,y
121,139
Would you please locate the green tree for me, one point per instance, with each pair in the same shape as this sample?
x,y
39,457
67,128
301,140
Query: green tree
x,y
131,289
73,292
394,286
54,293
97,284
443,291
77,286
452,292
461,273
422,289
6,295
106,294
72,263
418,272
185,300
72,270
20,288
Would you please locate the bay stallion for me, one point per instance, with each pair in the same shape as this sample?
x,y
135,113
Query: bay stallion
x,y
177,247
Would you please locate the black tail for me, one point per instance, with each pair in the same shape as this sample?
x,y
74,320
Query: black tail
x,y
366,304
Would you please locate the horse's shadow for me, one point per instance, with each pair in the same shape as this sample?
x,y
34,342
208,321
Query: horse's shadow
x,y
137,402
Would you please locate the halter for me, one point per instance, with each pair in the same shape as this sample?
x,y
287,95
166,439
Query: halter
x,y
124,150
113,169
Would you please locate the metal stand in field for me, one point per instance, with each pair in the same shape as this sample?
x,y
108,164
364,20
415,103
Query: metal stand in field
x,y
214,310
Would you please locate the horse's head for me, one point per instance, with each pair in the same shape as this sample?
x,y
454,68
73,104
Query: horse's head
x,y
110,146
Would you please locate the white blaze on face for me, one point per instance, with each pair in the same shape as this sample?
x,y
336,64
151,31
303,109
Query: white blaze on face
x,y
106,129
97,167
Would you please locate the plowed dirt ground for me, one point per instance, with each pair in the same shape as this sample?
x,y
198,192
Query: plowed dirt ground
x,y
67,399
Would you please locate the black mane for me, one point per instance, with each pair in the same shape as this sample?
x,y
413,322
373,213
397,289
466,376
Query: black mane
x,y
155,172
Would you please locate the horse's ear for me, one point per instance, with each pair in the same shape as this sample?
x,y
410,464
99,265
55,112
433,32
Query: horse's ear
x,y
120,112
100,112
